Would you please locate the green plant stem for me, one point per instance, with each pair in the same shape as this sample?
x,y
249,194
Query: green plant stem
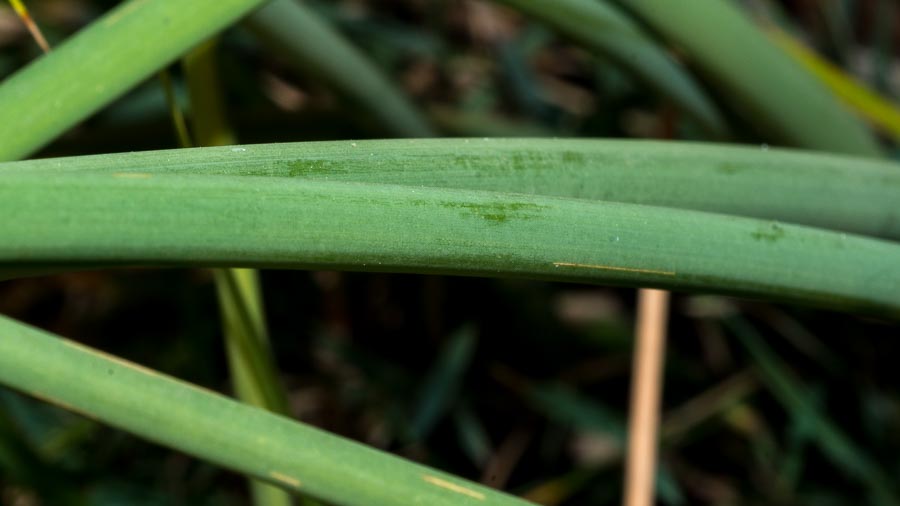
x,y
252,364
201,74
212,427
178,121
782,101
855,195
79,220
313,47
250,360
100,63
603,28
256,377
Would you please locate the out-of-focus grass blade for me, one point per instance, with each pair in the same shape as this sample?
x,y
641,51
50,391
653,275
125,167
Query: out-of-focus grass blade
x,y
210,126
802,339
442,384
572,409
178,121
458,123
101,62
567,407
784,102
32,27
878,110
837,447
601,27
315,48
557,490
473,437
800,433
830,191
677,425
247,341
81,219
218,429
21,465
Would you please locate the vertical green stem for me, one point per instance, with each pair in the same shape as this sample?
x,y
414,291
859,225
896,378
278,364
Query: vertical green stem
x,y
178,122
252,364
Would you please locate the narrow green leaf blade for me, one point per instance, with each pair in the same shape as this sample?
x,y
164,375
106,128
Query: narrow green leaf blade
x,y
235,435
315,48
102,62
106,219
443,382
852,194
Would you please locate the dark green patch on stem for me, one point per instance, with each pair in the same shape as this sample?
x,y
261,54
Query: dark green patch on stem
x,y
772,233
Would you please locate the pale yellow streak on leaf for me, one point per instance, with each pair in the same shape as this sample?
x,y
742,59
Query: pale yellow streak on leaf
x,y
283,478
434,480
614,268
61,404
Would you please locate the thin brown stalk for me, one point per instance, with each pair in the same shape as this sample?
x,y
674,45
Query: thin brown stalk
x,y
32,27
646,392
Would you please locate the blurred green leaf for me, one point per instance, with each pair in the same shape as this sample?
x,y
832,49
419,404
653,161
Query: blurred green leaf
x,y
783,102
441,386
837,447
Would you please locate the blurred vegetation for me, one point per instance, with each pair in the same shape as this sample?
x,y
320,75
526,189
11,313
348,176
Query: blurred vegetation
x,y
519,384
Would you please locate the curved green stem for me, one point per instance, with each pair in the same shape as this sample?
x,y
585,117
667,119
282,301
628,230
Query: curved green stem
x,y
251,362
108,219
856,195
212,427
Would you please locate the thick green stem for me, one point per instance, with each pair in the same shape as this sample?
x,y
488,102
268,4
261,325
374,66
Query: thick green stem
x,y
212,427
830,191
254,373
77,220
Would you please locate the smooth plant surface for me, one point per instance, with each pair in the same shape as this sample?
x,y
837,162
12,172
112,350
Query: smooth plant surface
x,y
54,93
844,193
458,307
180,220
258,443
